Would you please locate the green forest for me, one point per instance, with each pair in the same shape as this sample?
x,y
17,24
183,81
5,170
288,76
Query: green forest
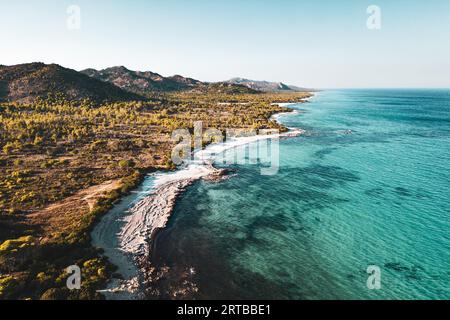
x,y
64,163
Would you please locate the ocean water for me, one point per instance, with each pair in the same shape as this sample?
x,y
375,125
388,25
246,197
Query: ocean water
x,y
367,185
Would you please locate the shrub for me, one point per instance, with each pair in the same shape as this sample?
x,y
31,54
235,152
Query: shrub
x,y
125,164
55,294
16,244
8,148
8,287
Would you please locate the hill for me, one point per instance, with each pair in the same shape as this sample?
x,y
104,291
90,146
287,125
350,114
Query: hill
x,y
26,82
265,86
141,82
147,82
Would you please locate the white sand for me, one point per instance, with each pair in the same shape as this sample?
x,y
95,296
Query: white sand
x,y
153,212
127,239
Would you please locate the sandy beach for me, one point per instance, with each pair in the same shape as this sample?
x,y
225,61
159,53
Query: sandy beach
x,y
126,241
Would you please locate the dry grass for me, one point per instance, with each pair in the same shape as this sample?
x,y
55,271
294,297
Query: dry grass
x,y
62,165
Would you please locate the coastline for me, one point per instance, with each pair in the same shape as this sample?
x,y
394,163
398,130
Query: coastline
x,y
127,240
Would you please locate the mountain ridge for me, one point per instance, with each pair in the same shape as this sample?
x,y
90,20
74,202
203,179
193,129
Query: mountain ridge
x,y
140,82
148,82
266,86
26,82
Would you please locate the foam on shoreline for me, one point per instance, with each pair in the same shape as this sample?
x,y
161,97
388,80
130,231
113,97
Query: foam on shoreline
x,y
153,212
133,242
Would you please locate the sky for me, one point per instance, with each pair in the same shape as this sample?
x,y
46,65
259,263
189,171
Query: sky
x,y
315,44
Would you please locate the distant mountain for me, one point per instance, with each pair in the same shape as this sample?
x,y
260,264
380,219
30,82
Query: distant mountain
x,y
223,88
141,82
189,82
265,86
25,82
147,82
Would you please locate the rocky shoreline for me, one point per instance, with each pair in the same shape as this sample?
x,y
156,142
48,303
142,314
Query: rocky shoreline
x,y
151,214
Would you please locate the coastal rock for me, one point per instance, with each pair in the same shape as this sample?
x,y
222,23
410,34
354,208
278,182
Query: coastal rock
x,y
152,214
149,215
218,175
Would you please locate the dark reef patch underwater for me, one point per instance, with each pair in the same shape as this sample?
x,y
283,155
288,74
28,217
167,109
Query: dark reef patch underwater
x,y
366,185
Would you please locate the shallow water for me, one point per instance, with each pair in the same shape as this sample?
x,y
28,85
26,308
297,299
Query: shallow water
x,y
366,185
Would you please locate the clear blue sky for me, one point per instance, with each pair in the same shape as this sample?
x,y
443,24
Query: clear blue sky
x,y
308,43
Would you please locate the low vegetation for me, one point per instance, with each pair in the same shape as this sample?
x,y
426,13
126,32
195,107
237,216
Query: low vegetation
x,y
63,164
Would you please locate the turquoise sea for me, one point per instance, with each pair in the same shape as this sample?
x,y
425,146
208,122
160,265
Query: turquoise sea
x,y
367,184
